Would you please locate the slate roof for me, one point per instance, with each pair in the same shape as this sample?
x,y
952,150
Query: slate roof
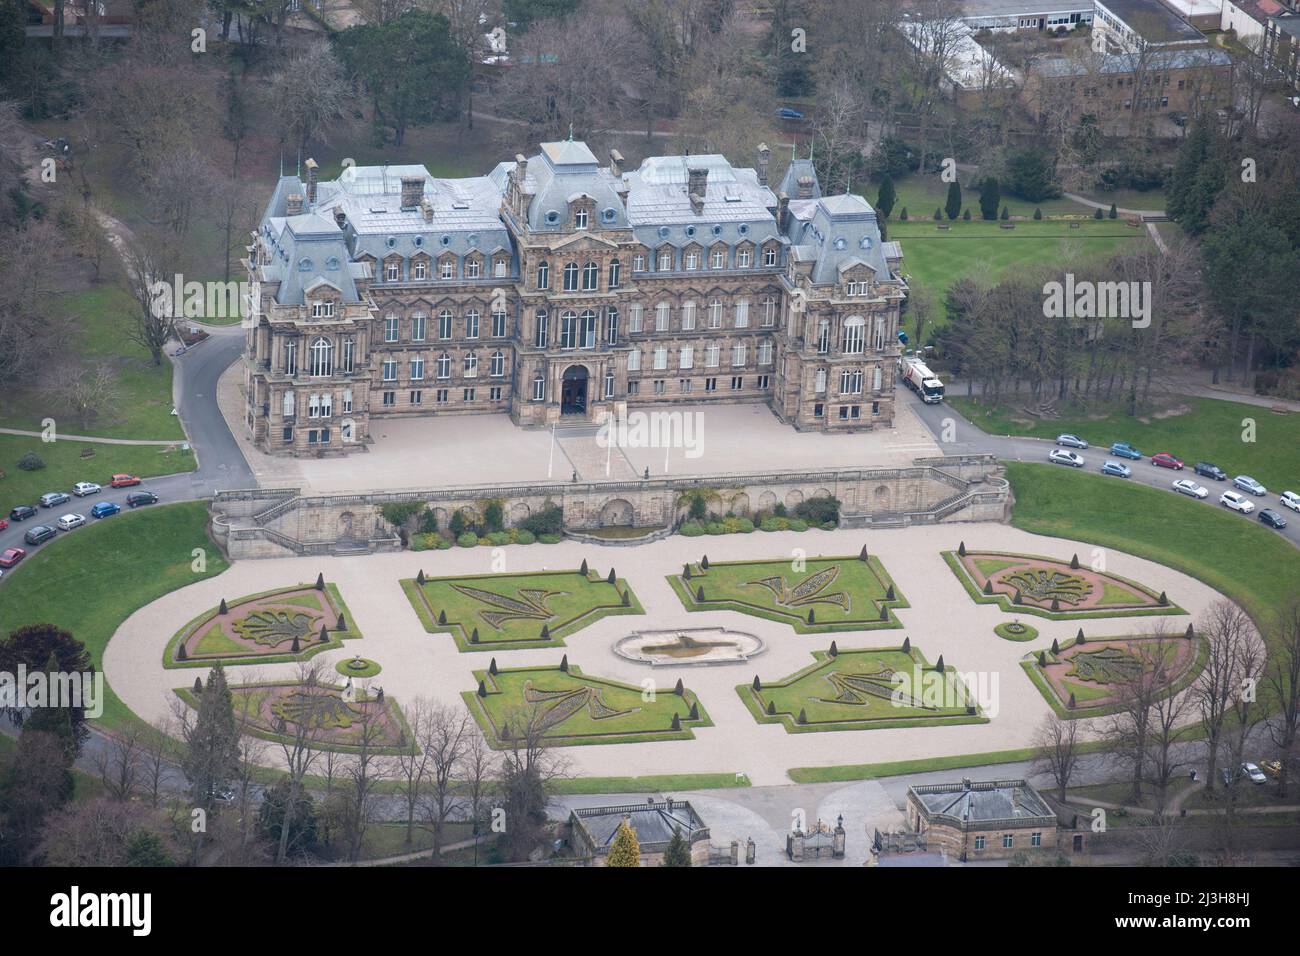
x,y
984,801
653,822
1186,59
790,181
1153,21
561,172
835,233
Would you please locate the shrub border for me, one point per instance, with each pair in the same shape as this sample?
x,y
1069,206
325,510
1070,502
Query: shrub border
x,y
792,726
1003,601
800,625
314,647
1029,663
484,719
428,617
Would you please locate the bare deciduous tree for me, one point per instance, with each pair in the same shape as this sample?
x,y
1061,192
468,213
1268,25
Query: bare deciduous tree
x,y
1057,744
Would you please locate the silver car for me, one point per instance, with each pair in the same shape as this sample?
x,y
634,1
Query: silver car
x,y
1185,486
1059,457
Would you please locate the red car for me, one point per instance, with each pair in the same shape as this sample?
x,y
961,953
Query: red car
x,y
1166,460
11,556
4,523
123,481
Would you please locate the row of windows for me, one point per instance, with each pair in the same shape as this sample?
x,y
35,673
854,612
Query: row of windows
x,y
851,380
712,355
321,357
445,325
421,269
317,405
1009,840
586,277
441,396
442,367
853,335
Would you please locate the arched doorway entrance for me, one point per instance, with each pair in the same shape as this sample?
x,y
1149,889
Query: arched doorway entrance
x,y
573,391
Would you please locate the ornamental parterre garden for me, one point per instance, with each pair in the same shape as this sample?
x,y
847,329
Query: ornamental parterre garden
x,y
334,717
1089,677
513,611
815,595
285,624
566,707
863,690
1051,588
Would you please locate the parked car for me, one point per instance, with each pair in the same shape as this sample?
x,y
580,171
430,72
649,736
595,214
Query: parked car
x,y
1185,486
11,556
1060,457
1207,470
40,534
22,512
1117,469
786,112
124,481
52,498
1071,441
70,521
1252,773
1271,518
1124,450
4,523
137,498
103,509
1247,483
1237,502
1166,460
83,488
1290,499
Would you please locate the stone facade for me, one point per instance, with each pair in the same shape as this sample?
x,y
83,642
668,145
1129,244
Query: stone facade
x,y
984,820
273,523
555,288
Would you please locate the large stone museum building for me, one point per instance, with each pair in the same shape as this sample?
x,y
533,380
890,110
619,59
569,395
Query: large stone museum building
x,y
557,289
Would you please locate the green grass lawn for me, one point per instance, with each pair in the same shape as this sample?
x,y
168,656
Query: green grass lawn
x,y
578,709
842,593
1231,554
859,690
64,467
921,194
142,408
116,566
935,258
509,611
1207,429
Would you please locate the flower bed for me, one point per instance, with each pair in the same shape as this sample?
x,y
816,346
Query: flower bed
x,y
825,594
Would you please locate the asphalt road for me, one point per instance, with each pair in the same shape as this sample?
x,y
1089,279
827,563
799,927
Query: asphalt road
x,y
945,422
221,464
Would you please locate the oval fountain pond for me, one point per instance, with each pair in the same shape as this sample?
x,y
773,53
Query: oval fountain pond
x,y
690,645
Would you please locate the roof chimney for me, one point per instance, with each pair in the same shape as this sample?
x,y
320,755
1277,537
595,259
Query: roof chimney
x,y
764,154
412,191
805,187
696,187
340,218
426,209
521,169
311,183
782,211
616,162
293,204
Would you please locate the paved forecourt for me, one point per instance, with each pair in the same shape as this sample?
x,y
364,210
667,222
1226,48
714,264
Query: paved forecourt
x,y
942,620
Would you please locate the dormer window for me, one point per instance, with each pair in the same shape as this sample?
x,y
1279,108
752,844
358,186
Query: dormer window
x,y
769,256
665,261
718,259
392,270
323,309
419,269
447,268
473,268
580,218
743,258
499,267
692,260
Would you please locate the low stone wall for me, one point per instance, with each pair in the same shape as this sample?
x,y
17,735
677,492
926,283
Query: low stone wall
x,y
275,522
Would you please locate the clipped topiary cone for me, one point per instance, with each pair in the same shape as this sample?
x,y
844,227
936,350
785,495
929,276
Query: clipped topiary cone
x,y
907,645
961,549
862,555
419,577
473,636
612,577
223,610
342,623
884,612
938,665
676,722
1056,604
803,716
482,689
1016,598
835,651
1191,632
686,572
1164,599
1078,638
198,685
324,635
695,710
771,707
442,617
295,647
1042,658
1071,703
320,581
546,632
1074,563
704,563
181,653
1056,647
758,684
583,567
627,598
889,593
492,666
678,688
988,587
564,663
812,617
699,593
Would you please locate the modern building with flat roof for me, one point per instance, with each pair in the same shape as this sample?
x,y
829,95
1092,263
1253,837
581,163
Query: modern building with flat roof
x,y
1142,24
1041,15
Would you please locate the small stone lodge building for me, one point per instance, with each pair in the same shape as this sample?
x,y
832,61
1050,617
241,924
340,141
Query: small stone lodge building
x,y
593,828
985,820
557,289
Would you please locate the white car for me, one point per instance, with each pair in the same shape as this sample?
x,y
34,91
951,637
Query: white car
x,y
83,488
1290,500
1237,502
1185,486
1253,773
70,521
1060,457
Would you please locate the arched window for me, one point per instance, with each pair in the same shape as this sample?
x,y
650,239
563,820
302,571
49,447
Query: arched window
x,y
824,335
615,273
471,324
543,275
539,388
571,277
662,313
322,357
444,365
855,333
444,324
588,329
568,330
471,365
497,365
590,277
